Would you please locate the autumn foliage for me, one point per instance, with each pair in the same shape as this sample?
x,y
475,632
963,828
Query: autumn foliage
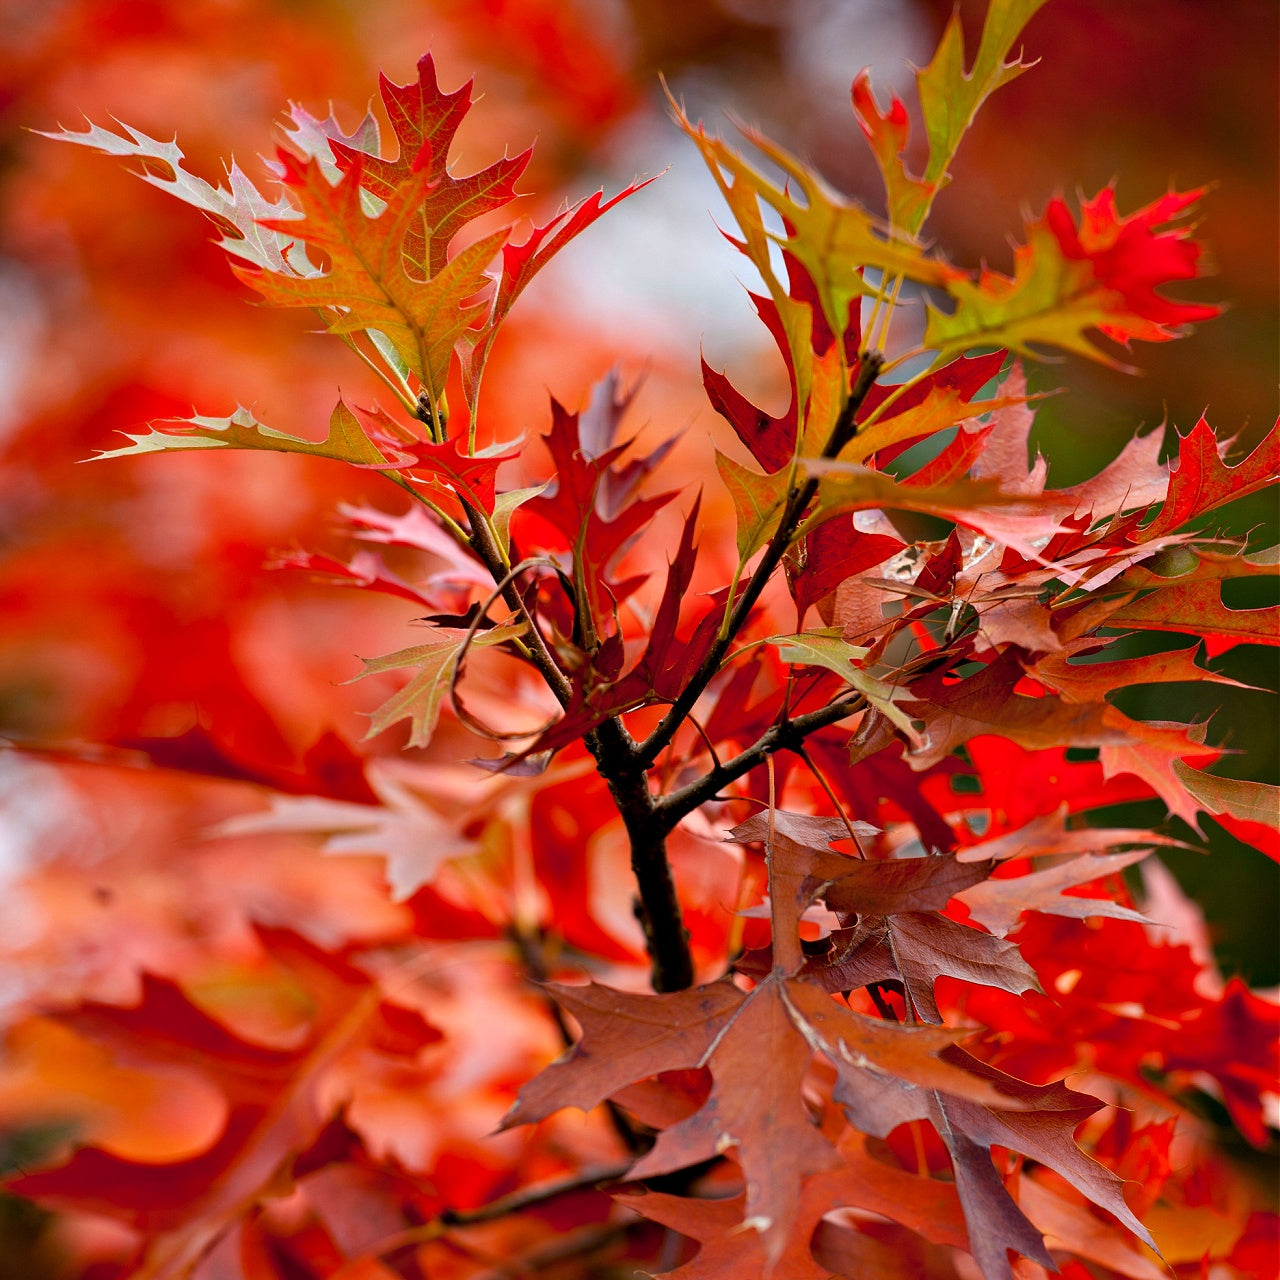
x,y
729,882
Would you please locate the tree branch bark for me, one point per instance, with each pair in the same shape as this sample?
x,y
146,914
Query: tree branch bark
x,y
657,905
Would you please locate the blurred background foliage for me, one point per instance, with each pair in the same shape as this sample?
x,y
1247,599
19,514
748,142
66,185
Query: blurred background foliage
x,y
134,597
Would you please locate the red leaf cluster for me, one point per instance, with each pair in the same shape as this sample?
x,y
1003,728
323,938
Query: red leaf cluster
x,y
836,785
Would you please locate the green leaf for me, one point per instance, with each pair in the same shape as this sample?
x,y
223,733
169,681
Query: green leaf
x,y
758,501
737,186
950,98
347,440
387,350
833,238
420,700
1248,801
1050,301
826,648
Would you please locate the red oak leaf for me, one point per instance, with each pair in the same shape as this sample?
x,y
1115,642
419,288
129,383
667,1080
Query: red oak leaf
x,y
1067,281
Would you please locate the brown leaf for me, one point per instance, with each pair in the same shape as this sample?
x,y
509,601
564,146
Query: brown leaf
x,y
902,885
625,1037
986,702
915,949
1044,1130
857,1044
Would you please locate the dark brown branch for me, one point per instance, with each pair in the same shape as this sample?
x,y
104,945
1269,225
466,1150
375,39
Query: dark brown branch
x,y
624,764
502,1207
657,906
614,751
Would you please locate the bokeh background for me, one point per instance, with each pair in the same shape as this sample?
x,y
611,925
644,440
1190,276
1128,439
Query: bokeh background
x,y
133,594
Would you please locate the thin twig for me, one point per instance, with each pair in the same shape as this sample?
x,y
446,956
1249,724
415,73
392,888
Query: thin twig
x,y
465,716
482,543
502,1207
702,733
802,751
778,737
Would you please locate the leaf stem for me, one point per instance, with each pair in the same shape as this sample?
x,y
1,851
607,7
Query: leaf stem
x,y
804,755
485,545
396,384
447,522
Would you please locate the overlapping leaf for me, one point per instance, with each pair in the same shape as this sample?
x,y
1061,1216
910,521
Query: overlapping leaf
x,y
776,1028
425,120
274,1099
976,641
366,283
593,505
831,238
1201,480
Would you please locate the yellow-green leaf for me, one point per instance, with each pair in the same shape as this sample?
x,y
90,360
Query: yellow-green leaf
x,y
420,700
950,98
941,408
758,501
347,440
826,648
834,239
1050,301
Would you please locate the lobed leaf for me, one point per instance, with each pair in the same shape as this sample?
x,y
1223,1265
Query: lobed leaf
x,y
950,98
520,263
826,648
997,904
420,700
425,120
758,501
834,239
348,440
1068,281
240,212
1200,481
366,285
